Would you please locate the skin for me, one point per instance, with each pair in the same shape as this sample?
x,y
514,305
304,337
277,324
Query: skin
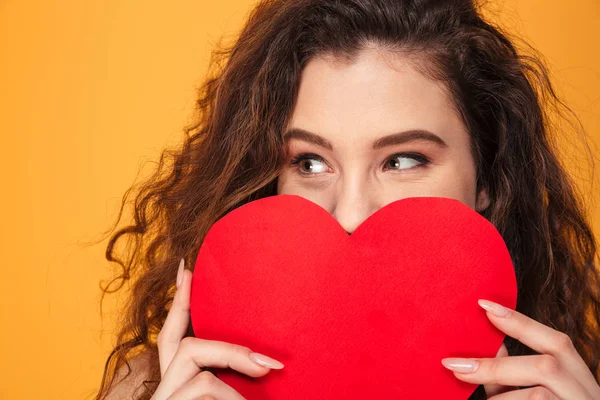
x,y
351,106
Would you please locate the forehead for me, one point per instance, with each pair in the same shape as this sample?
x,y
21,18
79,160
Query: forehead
x,y
379,92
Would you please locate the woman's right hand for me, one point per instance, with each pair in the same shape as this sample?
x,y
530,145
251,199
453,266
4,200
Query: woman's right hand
x,y
181,358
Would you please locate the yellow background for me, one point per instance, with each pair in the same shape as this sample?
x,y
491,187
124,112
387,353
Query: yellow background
x,y
89,91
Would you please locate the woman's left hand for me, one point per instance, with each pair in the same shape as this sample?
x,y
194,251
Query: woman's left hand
x,y
558,372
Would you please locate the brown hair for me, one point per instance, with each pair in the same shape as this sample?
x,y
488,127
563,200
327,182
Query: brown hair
x,y
233,152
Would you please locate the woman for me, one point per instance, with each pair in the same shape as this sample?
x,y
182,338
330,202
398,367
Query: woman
x,y
354,104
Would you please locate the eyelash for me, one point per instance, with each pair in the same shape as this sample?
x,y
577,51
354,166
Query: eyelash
x,y
310,156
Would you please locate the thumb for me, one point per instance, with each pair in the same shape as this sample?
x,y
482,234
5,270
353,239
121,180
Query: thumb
x,y
177,321
493,389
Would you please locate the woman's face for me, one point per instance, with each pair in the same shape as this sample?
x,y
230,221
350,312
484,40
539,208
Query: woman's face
x,y
367,134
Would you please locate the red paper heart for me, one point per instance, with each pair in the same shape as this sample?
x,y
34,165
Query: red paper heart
x,y
363,316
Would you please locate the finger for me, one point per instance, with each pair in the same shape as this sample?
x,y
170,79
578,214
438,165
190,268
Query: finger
x,y
534,370
537,392
194,353
206,385
542,339
493,389
176,323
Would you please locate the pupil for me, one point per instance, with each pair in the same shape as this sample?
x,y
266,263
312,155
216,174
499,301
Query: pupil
x,y
307,165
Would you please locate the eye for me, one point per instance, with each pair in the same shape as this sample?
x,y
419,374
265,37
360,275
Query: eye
x,y
307,160
414,161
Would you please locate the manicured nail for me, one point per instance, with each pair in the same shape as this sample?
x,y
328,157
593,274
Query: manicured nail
x,y
494,308
180,272
265,361
463,365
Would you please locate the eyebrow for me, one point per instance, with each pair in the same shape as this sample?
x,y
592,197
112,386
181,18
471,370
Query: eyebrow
x,y
389,140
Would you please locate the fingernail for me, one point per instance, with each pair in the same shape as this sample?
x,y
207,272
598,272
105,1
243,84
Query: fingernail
x,y
494,308
180,272
265,361
463,365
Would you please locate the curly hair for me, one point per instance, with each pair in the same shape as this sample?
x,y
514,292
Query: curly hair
x,y
233,152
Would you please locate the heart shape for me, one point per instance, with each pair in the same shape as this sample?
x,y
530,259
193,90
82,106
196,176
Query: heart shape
x,y
366,315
